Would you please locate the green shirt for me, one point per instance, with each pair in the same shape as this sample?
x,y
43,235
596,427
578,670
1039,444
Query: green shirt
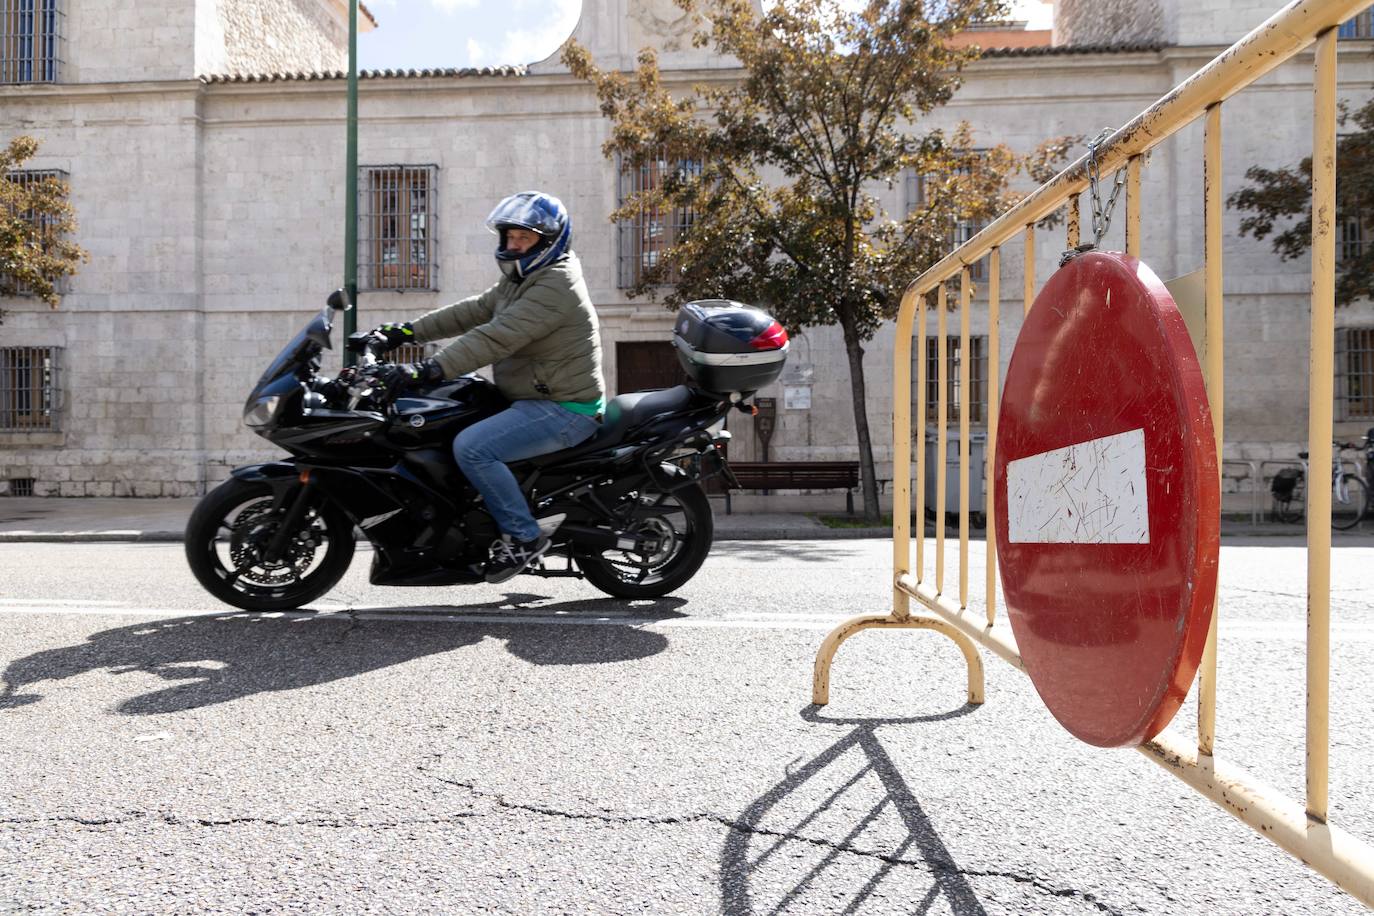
x,y
585,408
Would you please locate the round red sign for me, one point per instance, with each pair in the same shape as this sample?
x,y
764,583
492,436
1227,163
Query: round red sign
x,y
1106,475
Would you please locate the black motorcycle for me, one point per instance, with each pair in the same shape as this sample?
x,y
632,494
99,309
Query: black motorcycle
x,y
626,510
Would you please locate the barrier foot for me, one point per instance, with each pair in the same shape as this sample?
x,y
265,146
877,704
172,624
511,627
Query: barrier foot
x,y
825,655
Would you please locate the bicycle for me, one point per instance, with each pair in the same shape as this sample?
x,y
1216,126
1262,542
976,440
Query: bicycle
x,y
1349,491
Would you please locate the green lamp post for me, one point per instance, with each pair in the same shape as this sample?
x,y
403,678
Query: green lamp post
x,y
351,185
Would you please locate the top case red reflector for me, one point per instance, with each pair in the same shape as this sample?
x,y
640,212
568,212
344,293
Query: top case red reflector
x,y
772,338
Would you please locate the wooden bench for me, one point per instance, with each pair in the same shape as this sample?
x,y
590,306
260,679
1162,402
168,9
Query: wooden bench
x,y
797,475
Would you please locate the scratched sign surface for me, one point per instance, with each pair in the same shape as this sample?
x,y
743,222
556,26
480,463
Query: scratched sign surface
x,y
1106,472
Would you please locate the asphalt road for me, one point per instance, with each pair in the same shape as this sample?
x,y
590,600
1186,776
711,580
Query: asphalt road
x,y
537,748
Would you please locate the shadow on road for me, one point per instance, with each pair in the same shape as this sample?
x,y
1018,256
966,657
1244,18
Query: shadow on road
x,y
860,792
219,658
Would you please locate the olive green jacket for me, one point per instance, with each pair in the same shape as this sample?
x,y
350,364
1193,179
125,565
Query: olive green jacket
x,y
540,335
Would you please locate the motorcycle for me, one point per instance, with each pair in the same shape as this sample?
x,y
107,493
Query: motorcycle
x,y
626,510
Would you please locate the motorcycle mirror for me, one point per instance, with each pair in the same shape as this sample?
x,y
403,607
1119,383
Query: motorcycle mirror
x,y
336,300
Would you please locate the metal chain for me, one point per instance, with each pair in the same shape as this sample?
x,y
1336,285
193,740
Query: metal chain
x,y
1102,217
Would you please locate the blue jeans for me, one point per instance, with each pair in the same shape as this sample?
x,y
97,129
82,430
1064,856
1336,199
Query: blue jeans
x,y
523,430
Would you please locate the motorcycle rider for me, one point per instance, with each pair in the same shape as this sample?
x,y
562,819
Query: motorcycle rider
x,y
538,330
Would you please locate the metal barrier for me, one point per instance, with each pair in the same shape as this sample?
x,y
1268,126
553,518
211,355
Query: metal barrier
x,y
1300,828
1252,474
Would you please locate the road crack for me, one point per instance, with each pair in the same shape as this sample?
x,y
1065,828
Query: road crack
x,y
936,868
173,820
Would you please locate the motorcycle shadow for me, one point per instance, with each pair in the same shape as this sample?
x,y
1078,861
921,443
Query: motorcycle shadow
x,y
219,658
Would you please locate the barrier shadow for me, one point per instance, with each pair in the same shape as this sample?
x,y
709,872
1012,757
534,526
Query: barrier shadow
x,y
876,776
219,658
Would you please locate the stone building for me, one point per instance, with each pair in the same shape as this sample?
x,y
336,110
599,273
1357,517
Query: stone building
x,y
203,141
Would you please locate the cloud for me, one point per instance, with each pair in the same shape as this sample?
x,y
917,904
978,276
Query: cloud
x,y
452,6
476,53
526,46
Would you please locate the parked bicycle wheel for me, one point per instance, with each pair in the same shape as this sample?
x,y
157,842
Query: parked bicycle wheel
x,y
1349,500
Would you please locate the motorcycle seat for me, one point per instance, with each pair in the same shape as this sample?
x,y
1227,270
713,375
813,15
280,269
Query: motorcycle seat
x,y
623,413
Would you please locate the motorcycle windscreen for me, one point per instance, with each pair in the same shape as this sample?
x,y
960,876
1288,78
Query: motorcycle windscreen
x,y
298,352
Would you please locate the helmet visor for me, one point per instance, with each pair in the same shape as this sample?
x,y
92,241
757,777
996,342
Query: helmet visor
x,y
529,210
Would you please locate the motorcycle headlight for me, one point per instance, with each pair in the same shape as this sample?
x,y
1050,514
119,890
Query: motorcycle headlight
x,y
262,412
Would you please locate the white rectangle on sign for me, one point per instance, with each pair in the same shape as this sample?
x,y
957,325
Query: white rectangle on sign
x,y
1089,493
796,398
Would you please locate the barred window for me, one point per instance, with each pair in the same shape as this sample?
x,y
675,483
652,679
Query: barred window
x,y
1351,237
31,33
978,374
396,227
45,222
1354,373
914,197
29,389
643,239
408,353
913,190
1361,25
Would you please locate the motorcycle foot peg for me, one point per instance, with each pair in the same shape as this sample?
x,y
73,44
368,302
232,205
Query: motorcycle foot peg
x,y
549,524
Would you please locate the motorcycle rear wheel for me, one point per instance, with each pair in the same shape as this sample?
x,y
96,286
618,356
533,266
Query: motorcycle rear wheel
x,y
230,527
681,522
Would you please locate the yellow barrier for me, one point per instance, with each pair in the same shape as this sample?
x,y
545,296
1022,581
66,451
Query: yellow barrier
x,y
1298,827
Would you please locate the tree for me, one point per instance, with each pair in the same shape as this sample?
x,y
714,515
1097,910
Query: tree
x,y
36,222
823,112
1279,195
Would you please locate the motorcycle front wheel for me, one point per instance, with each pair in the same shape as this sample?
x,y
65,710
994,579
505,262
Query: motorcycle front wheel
x,y
679,528
227,537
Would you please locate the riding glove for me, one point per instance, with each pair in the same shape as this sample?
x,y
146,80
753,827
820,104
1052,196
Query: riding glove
x,y
389,336
394,378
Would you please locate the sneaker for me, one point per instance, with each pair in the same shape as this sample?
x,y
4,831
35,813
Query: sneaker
x,y
509,558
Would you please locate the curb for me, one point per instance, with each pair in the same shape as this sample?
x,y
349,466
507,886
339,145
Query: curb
x,y
82,537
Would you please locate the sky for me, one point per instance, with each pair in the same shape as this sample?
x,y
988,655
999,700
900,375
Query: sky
x,y
418,34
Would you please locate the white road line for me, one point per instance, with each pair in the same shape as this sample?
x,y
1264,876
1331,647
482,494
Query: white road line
x,y
59,602
1234,629
762,621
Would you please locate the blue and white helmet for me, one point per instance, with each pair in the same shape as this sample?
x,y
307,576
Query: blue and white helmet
x,y
540,213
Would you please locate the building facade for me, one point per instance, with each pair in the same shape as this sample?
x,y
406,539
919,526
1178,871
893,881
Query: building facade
x,y
203,142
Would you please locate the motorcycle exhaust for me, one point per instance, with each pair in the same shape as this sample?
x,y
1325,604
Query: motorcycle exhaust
x,y
598,538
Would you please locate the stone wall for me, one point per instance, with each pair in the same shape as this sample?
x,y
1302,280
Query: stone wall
x,y
115,40
153,40
1108,22
1163,22
213,215
281,36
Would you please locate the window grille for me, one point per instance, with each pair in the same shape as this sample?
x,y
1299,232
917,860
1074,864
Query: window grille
x,y
978,373
1354,373
1351,239
653,230
913,190
396,227
46,222
29,389
31,38
964,230
914,197
1361,25
408,353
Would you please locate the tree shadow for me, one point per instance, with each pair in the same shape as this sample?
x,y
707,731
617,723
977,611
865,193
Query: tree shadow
x,y
219,658
878,776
